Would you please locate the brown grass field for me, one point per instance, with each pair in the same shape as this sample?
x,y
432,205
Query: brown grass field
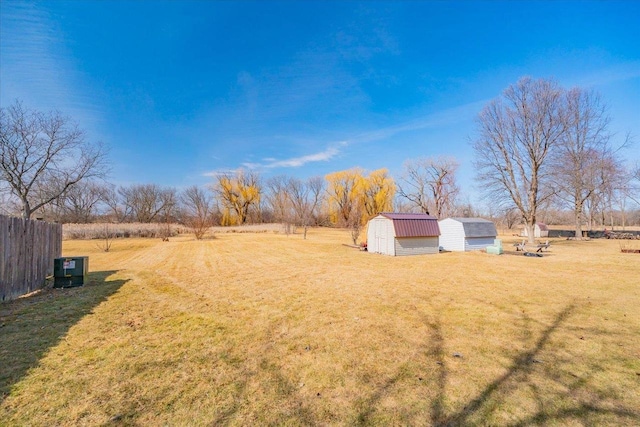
x,y
268,329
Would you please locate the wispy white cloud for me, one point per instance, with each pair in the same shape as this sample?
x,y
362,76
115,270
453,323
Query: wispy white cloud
x,y
442,118
294,162
334,149
218,172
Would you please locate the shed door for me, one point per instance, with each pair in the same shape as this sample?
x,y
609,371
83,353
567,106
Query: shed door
x,y
381,238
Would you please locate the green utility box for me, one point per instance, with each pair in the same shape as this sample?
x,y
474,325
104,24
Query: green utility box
x,y
496,248
70,271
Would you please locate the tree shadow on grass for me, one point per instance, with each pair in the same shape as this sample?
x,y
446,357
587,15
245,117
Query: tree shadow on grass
x,y
527,363
30,326
524,365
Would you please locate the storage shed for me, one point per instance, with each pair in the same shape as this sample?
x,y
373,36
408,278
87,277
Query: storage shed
x,y
403,234
466,234
539,230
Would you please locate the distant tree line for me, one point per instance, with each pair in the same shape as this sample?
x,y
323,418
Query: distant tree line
x,y
542,153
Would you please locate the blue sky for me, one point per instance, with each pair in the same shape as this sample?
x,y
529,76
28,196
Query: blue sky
x,y
180,90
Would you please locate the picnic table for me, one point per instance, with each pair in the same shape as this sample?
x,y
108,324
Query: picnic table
x,y
540,247
543,246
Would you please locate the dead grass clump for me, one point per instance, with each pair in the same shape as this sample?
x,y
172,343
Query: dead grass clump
x,y
141,230
121,230
250,228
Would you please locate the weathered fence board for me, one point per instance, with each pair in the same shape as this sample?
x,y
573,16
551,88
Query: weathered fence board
x,y
27,250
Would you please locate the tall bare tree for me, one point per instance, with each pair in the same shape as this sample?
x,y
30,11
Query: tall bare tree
x,y
516,134
509,217
278,200
612,184
148,202
118,210
42,155
197,210
634,184
80,203
583,156
305,198
430,184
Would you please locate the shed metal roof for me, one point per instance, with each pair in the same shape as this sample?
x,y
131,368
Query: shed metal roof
x,y
400,215
413,225
477,227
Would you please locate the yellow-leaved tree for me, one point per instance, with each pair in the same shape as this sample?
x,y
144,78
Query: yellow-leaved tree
x,y
354,197
238,192
378,191
344,190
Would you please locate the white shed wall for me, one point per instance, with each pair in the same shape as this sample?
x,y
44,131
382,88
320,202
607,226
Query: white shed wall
x,y
451,235
416,245
536,232
372,243
380,236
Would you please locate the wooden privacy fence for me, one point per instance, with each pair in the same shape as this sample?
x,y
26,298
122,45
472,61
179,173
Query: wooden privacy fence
x,y
27,250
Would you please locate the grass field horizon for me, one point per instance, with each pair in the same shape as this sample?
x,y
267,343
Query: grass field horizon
x,y
269,329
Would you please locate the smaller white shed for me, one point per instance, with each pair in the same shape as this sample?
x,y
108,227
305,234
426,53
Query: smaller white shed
x,y
466,234
403,234
539,230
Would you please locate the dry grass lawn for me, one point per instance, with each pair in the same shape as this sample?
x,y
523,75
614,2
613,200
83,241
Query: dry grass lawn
x,y
265,329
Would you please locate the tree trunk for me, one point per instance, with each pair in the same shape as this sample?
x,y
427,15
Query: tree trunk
x,y
530,232
26,209
578,216
578,234
611,218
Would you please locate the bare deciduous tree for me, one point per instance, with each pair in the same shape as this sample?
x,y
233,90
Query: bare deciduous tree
x,y
583,154
354,222
279,202
118,210
510,217
305,197
612,179
79,204
516,134
197,210
148,202
633,185
430,184
413,185
106,238
43,155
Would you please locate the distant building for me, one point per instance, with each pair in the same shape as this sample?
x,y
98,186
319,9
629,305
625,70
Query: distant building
x,y
403,234
466,234
539,230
